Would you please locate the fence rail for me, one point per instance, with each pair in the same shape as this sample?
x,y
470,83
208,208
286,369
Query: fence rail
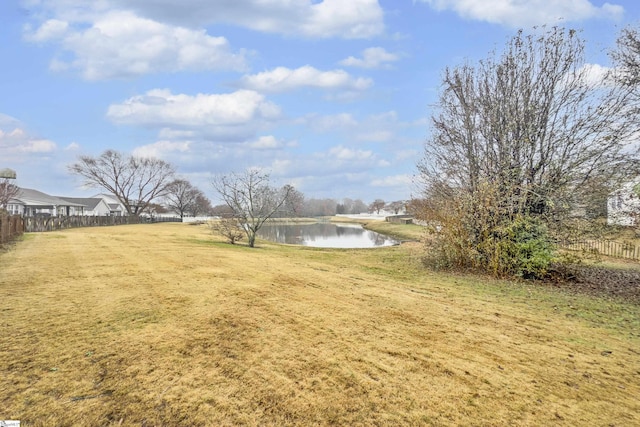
x,y
610,248
10,227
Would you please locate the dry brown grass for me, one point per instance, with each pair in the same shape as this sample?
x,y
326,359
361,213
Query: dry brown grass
x,y
165,325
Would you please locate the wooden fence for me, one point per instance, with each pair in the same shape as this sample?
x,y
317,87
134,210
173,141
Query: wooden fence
x,y
610,248
42,223
10,227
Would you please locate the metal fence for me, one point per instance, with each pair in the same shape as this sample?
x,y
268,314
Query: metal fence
x,y
610,248
10,227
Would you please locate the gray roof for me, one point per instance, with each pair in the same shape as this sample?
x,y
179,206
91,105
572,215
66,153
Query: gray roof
x,y
89,202
30,197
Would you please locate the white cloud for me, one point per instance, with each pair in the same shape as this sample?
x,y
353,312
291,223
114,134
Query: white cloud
x,y
306,18
344,153
49,30
171,134
161,108
17,141
353,19
120,44
282,79
37,146
161,149
373,57
393,181
376,136
595,74
517,13
269,142
330,123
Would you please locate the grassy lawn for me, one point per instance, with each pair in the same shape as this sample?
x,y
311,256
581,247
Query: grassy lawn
x,y
164,324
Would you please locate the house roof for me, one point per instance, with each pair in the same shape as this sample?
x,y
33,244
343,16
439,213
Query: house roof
x,y
109,198
30,197
89,202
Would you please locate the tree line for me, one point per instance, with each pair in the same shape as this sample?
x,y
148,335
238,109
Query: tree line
x,y
150,186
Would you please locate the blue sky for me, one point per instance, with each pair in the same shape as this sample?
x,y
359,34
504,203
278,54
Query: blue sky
x,y
331,96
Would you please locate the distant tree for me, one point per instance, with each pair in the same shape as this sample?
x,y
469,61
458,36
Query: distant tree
x,y
252,199
358,207
8,191
134,181
181,197
153,209
319,207
294,205
223,211
377,205
396,206
341,209
201,205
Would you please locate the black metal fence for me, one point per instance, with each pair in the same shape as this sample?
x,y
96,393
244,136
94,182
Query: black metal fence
x,y
610,248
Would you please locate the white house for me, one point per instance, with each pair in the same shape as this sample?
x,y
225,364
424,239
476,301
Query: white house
x,y
115,207
29,202
94,206
623,206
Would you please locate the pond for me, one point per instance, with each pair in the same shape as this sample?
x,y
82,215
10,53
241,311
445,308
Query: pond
x,y
325,235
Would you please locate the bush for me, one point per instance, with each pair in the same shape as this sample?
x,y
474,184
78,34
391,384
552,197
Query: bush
x,y
229,228
521,247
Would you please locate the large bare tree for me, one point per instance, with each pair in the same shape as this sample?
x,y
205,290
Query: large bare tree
x,y
134,181
252,199
528,132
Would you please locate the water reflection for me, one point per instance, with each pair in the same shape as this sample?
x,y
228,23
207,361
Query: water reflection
x,y
325,235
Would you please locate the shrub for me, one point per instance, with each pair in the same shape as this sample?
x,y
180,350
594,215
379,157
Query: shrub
x,y
520,248
229,228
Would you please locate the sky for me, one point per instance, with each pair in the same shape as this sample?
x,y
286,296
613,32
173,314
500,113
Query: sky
x,y
333,96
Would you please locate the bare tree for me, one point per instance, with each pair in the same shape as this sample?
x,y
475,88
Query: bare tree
x,y
397,206
294,204
377,205
181,196
8,191
201,205
626,56
526,133
252,199
134,181
319,207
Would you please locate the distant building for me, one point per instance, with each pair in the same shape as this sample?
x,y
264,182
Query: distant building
x,y
623,206
115,207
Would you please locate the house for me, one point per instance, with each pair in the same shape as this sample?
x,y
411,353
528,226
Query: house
x,y
623,206
115,207
94,206
29,202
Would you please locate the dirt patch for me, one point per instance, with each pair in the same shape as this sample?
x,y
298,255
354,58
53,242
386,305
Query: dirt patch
x,y
599,281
